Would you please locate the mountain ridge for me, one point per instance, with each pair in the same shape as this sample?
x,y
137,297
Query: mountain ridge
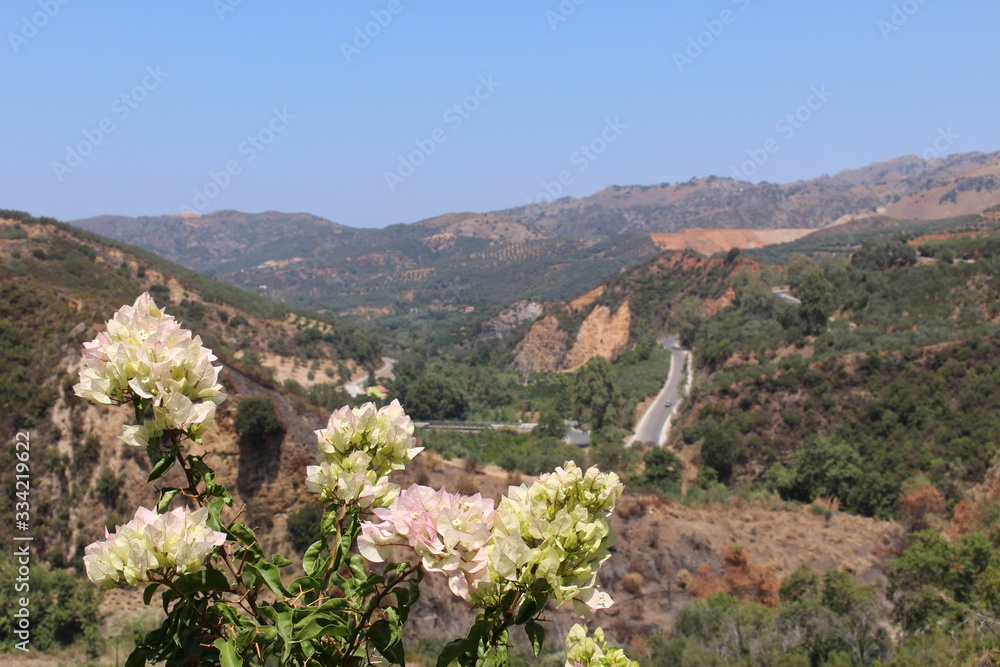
x,y
451,268
889,185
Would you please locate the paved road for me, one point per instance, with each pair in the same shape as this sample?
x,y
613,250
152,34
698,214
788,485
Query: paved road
x,y
652,427
360,385
783,294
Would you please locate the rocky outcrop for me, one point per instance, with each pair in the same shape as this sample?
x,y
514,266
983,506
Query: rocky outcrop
x,y
543,348
600,334
509,319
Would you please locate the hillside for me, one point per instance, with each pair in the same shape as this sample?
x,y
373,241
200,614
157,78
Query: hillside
x,y
840,241
63,284
224,241
449,271
627,310
906,187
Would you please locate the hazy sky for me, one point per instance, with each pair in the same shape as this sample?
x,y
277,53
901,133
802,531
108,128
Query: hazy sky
x,y
371,113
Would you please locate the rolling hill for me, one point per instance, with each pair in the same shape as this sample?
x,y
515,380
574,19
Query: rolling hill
x,y
60,285
452,268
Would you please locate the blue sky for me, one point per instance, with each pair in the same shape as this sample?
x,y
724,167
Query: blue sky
x,y
150,108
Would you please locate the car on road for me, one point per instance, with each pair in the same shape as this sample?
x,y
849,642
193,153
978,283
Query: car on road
x,y
668,404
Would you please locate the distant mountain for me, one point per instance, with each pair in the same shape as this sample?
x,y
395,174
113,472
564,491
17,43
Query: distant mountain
x,y
456,264
907,187
224,241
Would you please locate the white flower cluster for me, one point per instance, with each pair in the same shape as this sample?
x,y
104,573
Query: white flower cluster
x,y
449,531
357,451
144,353
179,540
557,531
584,651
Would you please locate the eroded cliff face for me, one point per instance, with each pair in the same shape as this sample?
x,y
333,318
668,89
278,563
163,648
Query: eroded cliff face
x,y
593,324
543,348
547,348
601,334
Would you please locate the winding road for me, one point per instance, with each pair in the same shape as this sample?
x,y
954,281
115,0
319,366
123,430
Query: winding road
x,y
654,424
782,293
360,385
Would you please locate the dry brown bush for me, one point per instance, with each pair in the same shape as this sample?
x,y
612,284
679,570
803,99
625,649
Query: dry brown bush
x,y
466,486
917,507
704,583
631,508
421,476
632,583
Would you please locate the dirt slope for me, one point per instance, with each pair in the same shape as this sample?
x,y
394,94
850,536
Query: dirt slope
x,y
711,241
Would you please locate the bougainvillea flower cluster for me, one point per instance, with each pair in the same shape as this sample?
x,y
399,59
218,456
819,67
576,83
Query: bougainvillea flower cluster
x,y
177,542
358,450
143,354
584,651
555,531
448,530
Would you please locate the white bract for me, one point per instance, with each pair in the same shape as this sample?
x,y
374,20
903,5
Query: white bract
x,y
556,531
143,353
178,541
449,532
584,651
357,451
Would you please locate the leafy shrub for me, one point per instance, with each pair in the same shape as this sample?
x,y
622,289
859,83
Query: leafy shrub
x,y
303,525
108,488
256,421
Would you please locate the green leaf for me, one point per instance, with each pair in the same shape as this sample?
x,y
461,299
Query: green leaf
x,y
357,565
243,534
328,524
228,656
198,468
147,595
311,561
208,579
245,638
166,495
530,608
536,633
456,650
305,586
319,623
167,597
402,597
161,468
137,658
271,576
228,613
387,642
280,561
